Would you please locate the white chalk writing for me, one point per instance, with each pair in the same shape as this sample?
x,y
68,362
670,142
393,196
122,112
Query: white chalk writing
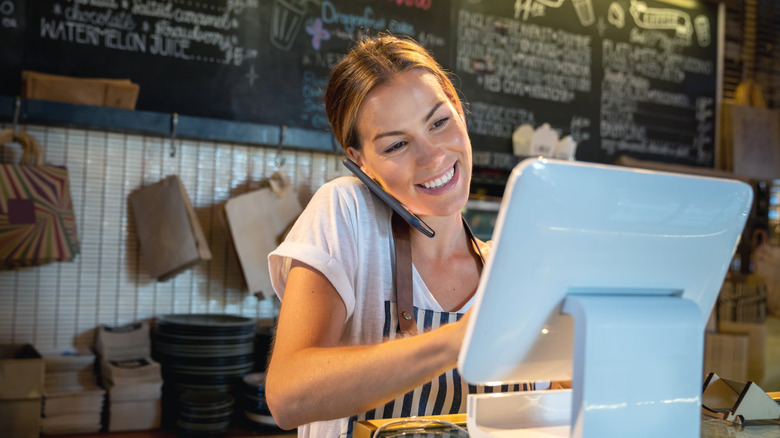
x,y
639,90
354,26
525,60
496,120
368,20
312,90
652,63
162,28
7,18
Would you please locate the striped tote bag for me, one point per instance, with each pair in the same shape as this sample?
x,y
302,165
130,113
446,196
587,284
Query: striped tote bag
x,y
37,223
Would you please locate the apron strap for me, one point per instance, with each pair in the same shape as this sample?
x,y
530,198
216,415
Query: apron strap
x,y
473,240
404,292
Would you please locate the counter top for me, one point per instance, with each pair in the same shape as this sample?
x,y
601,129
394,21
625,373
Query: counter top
x,y
164,433
716,428
710,428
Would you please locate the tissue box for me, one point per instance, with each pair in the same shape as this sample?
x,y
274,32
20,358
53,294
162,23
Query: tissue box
x,y
21,372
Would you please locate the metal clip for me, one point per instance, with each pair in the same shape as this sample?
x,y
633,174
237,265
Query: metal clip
x,y
174,128
17,110
279,160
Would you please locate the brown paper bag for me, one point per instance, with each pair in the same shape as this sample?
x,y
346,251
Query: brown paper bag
x,y
258,221
116,93
172,239
755,141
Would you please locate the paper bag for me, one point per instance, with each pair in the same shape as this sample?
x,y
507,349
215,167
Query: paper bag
x,y
258,220
766,260
756,141
37,222
116,93
172,239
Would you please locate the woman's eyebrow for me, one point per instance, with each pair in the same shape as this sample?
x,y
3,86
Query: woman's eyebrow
x,y
433,110
427,117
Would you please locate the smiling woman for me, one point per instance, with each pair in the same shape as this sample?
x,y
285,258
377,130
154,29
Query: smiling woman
x,y
339,354
414,143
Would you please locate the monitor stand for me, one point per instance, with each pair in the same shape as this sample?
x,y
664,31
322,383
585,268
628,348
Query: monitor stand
x,y
637,372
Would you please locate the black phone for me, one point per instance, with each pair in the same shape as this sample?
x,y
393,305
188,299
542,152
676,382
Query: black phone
x,y
388,199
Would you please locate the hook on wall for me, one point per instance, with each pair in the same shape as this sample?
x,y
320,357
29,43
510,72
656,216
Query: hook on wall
x,y
279,160
17,110
174,128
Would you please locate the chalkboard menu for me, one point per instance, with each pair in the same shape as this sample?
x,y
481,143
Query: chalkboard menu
x,y
620,77
260,61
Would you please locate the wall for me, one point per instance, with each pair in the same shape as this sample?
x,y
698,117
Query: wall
x,y
57,306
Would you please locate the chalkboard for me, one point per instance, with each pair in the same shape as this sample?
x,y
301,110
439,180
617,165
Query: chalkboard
x,y
12,30
621,77
245,60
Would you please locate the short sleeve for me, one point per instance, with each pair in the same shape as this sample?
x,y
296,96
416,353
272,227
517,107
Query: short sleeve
x,y
324,237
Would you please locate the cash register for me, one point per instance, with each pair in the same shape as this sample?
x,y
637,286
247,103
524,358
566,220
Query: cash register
x,y
604,276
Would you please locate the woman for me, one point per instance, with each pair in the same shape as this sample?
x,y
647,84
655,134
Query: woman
x,y
338,355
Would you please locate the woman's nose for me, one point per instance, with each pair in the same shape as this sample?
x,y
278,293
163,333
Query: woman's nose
x,y
429,154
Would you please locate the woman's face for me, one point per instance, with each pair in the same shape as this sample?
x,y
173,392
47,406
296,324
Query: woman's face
x,y
414,142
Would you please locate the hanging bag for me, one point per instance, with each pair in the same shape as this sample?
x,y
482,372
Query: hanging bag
x,y
258,222
172,239
37,223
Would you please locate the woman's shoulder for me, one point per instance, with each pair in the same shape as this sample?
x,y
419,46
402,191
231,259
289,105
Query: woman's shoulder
x,y
345,190
343,183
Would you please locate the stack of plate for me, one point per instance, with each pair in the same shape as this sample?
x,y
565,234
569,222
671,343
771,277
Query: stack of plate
x,y
204,413
253,393
200,352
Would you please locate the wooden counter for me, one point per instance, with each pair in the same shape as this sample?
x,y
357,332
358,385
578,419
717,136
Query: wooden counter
x,y
711,428
269,432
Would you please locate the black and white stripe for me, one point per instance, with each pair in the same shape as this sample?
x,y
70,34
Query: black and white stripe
x,y
443,395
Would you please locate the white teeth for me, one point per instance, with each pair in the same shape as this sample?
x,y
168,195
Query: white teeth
x,y
438,182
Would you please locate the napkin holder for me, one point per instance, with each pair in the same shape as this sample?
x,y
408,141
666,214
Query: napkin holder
x,y
738,402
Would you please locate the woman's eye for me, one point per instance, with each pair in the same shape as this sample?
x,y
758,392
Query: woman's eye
x,y
395,147
440,122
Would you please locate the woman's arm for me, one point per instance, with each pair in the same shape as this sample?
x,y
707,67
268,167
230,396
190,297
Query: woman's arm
x,y
311,378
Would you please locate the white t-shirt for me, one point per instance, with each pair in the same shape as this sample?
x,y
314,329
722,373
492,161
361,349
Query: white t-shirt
x,y
345,233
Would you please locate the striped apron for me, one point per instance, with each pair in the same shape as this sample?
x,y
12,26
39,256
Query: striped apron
x,y
443,395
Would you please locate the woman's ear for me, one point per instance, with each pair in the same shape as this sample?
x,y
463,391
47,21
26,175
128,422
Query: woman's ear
x,y
355,155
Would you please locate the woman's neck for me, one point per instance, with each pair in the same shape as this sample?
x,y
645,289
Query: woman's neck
x,y
450,239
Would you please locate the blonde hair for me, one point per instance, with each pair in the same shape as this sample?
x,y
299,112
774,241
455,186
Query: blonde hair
x,y
371,63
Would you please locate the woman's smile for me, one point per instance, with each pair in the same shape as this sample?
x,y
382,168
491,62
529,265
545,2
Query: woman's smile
x,y
440,183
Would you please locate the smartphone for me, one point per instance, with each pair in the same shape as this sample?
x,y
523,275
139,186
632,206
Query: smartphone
x,y
388,199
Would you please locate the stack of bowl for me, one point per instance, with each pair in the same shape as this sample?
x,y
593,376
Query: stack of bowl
x,y
255,406
204,413
202,352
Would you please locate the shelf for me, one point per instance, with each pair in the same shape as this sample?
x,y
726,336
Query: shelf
x,y
161,124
